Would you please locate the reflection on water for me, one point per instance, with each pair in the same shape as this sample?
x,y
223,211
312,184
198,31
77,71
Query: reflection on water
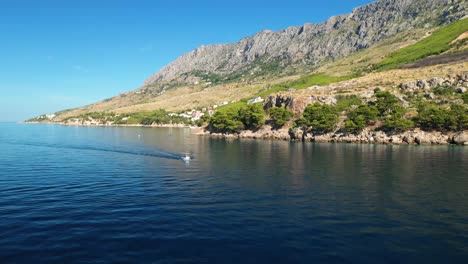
x,y
79,194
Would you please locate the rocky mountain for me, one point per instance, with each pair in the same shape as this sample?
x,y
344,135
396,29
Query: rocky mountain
x,y
268,61
308,44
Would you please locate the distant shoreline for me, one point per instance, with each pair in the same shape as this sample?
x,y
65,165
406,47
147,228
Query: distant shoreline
x,y
412,137
113,125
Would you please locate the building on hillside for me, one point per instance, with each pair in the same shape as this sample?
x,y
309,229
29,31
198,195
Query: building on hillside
x,y
197,115
255,100
50,116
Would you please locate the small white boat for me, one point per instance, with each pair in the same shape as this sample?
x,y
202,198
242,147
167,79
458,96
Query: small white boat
x,y
186,157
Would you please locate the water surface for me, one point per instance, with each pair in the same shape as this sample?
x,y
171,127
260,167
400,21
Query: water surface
x,y
107,195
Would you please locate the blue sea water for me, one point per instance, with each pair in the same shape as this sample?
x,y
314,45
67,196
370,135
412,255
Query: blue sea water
x,y
123,195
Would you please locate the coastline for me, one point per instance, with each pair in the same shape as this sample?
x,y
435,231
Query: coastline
x,y
412,137
112,125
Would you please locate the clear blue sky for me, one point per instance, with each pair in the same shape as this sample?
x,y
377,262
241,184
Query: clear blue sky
x,y
57,54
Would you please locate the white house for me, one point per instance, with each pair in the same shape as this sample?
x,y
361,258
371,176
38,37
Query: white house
x,y
255,100
50,116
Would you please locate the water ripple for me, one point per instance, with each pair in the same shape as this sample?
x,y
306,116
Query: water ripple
x,y
107,195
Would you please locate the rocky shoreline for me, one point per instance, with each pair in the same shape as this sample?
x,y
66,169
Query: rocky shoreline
x,y
111,125
413,137
367,136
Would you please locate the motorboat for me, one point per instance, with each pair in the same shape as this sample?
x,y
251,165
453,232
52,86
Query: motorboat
x,y
186,157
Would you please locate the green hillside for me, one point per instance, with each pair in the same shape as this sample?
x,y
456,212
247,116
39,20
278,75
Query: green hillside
x,y
307,81
437,43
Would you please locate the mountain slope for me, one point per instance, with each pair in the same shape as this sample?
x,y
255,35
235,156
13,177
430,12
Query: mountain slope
x,y
233,71
311,43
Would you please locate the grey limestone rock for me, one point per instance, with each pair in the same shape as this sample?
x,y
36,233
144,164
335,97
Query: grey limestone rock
x,y
457,82
312,43
461,138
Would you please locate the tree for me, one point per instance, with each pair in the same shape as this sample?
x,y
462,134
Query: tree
x,y
398,125
361,117
203,120
392,112
387,103
459,114
226,121
252,116
431,117
233,120
321,117
279,116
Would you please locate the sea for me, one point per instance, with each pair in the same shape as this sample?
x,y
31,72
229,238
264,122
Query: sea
x,y
124,195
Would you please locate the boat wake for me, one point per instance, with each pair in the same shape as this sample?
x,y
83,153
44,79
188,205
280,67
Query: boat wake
x,y
148,153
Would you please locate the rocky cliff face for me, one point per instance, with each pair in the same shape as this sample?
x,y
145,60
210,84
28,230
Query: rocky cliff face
x,y
296,104
311,43
413,137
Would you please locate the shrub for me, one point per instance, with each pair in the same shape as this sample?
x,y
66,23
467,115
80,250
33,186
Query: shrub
x,y
252,116
133,121
279,116
361,117
236,118
391,112
354,127
398,125
387,104
226,121
432,117
322,118
459,114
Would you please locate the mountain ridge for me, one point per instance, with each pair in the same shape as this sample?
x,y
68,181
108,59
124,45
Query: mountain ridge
x,y
308,44
257,62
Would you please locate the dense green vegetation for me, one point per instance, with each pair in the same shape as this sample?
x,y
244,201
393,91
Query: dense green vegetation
x,y
236,117
391,112
361,117
387,104
385,110
279,116
433,117
382,112
226,122
252,116
397,125
435,44
321,118
388,110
